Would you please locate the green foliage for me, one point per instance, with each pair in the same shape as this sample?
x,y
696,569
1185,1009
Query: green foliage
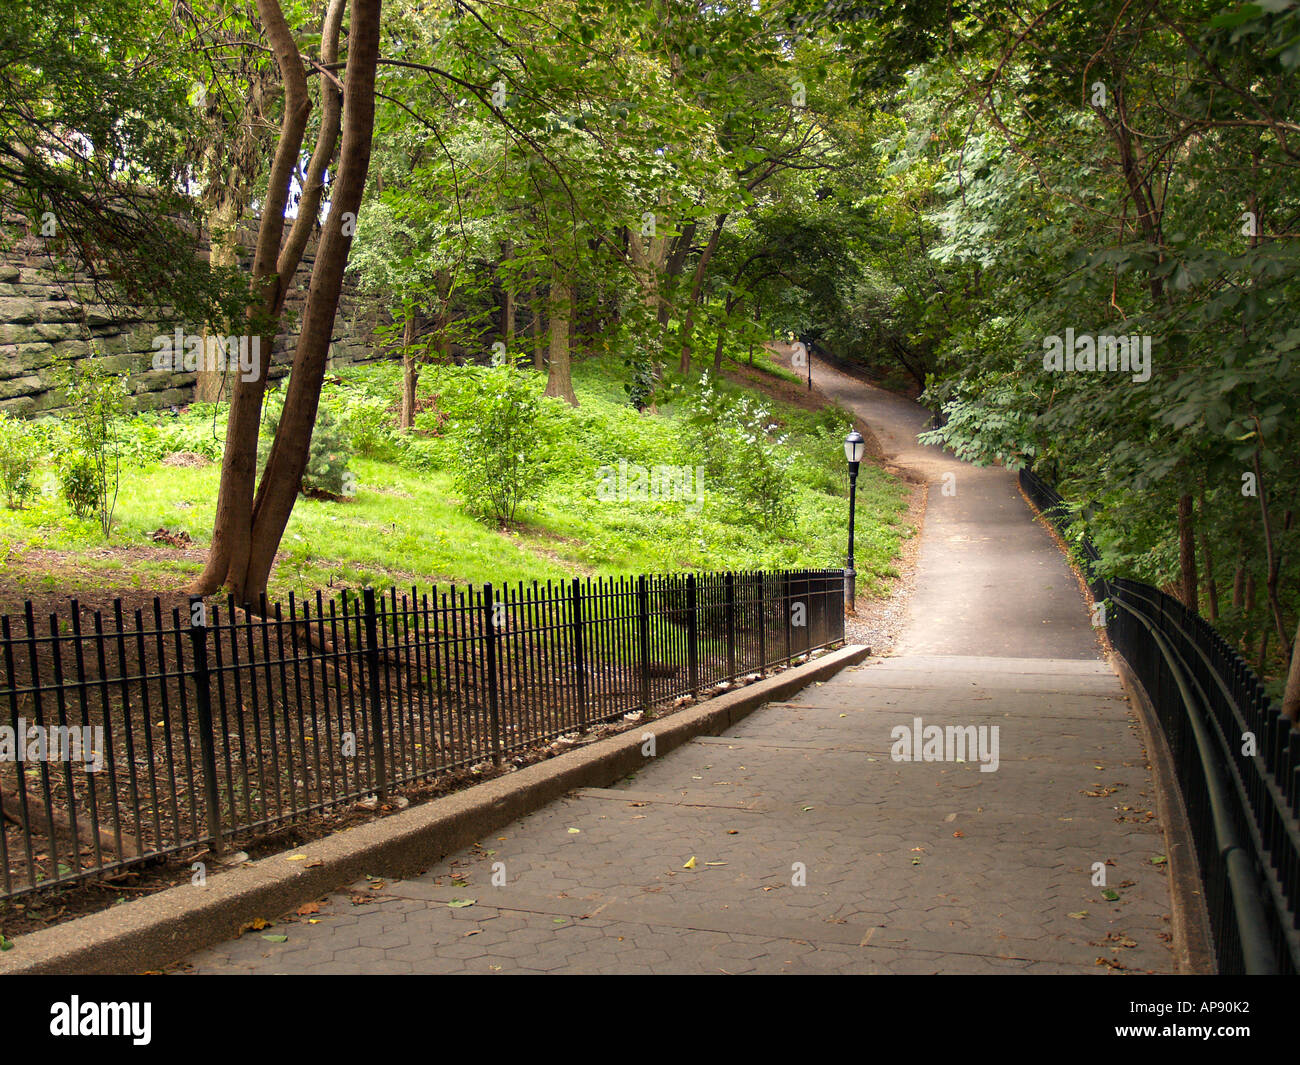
x,y
89,455
19,454
744,451
81,484
151,436
501,442
328,455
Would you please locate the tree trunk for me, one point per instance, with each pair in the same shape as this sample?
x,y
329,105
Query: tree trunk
x,y
535,302
1291,696
697,283
508,302
722,333
232,531
1207,563
1187,554
410,374
223,251
246,536
559,380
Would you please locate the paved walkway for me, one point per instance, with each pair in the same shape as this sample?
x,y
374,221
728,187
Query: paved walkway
x,y
795,842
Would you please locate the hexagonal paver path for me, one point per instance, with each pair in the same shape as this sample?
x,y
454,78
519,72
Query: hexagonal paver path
x,y
803,840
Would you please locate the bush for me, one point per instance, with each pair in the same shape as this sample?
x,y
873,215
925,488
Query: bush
x,y
328,455
81,483
19,452
737,439
89,458
760,469
500,440
365,421
151,436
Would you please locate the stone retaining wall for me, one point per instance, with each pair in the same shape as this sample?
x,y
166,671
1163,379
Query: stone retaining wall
x,y
42,317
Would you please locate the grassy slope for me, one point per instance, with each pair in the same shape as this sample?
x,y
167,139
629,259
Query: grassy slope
x,y
406,525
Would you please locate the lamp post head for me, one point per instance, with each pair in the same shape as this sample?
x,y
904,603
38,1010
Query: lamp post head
x,y
855,447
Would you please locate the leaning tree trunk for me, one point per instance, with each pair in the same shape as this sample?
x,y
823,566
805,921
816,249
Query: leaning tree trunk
x,y
232,532
287,461
248,527
559,380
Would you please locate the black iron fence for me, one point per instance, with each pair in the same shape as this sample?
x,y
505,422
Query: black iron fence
x,y
1237,759
147,732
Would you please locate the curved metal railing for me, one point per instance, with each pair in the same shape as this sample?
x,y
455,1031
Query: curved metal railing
x,y
1236,757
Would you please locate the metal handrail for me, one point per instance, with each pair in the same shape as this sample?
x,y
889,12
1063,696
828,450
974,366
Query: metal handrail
x,y
1242,808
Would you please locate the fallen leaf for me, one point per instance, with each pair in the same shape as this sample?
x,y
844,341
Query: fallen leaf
x,y
276,939
296,858
1159,859
574,831
690,864
1110,895
308,908
460,904
1078,915
473,931
959,835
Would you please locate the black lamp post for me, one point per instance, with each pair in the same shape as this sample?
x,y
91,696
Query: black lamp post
x,y
854,448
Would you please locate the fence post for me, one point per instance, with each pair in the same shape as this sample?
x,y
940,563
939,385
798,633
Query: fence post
x,y
692,636
761,578
579,656
203,694
490,641
643,632
730,616
785,615
372,687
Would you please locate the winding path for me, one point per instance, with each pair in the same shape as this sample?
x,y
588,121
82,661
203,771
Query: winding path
x,y
811,848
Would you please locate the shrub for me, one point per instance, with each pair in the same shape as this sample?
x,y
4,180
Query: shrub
x,y
500,441
90,456
151,436
760,467
366,422
743,455
81,483
19,452
327,457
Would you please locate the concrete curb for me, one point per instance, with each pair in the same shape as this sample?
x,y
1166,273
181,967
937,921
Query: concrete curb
x,y
153,932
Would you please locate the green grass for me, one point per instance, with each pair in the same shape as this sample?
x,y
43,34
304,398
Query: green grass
x,y
406,524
